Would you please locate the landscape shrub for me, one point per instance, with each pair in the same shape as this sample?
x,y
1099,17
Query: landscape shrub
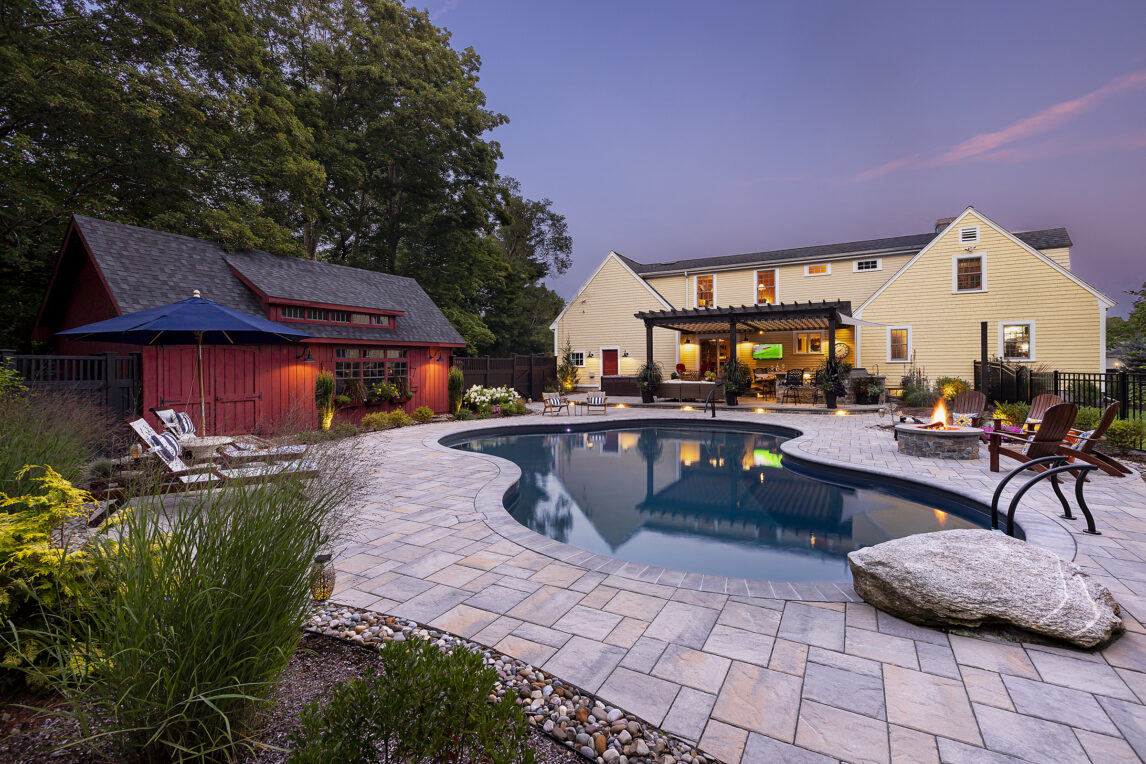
x,y
344,430
951,386
376,420
1125,435
63,431
423,414
324,398
425,705
478,396
1012,413
463,415
917,394
177,660
40,573
399,418
1087,418
456,386
1080,391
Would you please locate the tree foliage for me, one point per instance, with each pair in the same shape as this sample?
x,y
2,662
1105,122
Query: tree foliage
x,y
347,130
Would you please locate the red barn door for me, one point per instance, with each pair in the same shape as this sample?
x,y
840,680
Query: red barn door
x,y
177,387
237,399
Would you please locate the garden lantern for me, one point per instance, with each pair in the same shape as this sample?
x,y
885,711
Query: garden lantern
x,y
321,578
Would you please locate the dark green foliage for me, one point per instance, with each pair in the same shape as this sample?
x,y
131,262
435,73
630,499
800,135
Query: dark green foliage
x,y
1081,391
425,706
567,371
650,375
736,374
1087,418
456,384
1125,435
916,392
867,389
463,415
62,431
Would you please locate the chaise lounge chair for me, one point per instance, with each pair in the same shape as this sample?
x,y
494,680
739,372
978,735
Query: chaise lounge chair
x,y
182,427
185,478
1080,445
1045,441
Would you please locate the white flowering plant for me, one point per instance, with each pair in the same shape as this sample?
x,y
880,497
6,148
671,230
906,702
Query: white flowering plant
x,y
480,397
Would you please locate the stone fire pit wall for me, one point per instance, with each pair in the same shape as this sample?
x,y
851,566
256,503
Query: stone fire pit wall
x,y
958,443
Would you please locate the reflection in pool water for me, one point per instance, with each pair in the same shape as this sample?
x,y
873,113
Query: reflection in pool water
x,y
715,501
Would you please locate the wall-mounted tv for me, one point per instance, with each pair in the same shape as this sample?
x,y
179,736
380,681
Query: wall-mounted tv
x,y
767,352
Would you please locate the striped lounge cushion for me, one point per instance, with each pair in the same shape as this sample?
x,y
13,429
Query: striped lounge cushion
x,y
166,446
184,424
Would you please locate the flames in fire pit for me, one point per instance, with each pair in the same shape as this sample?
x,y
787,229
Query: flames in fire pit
x,y
938,417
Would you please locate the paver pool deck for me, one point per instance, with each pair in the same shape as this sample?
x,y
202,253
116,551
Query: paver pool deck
x,y
756,671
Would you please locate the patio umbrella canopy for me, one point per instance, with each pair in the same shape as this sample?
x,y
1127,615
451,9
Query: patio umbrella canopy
x,y
194,321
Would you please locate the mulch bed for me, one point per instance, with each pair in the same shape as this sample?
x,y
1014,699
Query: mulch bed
x,y
318,665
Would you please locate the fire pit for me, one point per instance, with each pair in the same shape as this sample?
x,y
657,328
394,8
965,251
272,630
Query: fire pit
x,y
938,440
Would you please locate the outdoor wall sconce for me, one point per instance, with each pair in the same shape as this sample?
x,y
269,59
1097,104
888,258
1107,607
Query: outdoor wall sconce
x,y
321,578
309,358
688,340
591,354
625,354
432,360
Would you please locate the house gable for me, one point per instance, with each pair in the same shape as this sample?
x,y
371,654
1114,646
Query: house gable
x,y
612,259
1019,285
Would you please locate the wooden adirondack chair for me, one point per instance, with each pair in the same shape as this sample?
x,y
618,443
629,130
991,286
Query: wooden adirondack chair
x,y
1080,445
1039,407
968,405
1045,441
554,403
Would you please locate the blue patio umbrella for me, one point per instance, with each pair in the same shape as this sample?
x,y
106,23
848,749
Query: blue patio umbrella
x,y
194,321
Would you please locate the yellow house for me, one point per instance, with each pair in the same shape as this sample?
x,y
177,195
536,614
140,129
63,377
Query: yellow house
x,y
907,300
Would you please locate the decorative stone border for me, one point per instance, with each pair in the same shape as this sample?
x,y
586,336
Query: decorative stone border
x,y
569,715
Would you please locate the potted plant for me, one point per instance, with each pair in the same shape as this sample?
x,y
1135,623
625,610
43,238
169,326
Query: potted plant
x,y
867,390
736,376
649,377
355,390
833,378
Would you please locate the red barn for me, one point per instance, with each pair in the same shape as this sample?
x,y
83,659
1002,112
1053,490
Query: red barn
x,y
365,325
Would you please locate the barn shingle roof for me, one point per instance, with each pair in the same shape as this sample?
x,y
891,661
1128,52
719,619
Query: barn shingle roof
x,y
145,268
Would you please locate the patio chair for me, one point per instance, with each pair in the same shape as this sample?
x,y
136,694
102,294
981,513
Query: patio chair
x,y
967,408
793,384
166,448
1039,406
597,400
1045,441
1080,445
554,403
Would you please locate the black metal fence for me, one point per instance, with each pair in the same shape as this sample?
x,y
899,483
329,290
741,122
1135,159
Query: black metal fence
x,y
110,380
527,374
1097,389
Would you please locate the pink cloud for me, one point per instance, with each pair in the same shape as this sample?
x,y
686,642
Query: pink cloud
x,y
994,145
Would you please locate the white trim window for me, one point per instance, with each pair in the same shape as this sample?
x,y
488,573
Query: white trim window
x,y
818,269
968,234
767,286
867,264
705,292
969,273
578,357
899,344
1017,341
808,343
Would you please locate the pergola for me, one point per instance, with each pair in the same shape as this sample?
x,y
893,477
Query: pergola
x,y
762,318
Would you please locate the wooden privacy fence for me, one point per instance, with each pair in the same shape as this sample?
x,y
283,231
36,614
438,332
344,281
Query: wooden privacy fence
x,y
527,374
110,379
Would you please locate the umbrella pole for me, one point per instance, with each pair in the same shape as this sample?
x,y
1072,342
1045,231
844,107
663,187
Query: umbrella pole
x,y
202,400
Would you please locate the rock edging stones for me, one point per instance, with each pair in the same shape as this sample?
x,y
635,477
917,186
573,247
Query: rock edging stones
x,y
569,715
975,577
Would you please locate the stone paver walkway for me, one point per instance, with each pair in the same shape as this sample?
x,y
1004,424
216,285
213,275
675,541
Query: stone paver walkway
x,y
756,671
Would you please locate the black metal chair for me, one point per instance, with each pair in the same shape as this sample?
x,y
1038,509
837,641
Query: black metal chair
x,y
793,384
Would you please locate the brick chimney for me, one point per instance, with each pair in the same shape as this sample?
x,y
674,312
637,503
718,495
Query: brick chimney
x,y
942,223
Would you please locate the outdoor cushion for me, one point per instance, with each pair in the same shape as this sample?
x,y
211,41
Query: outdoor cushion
x,y
166,446
186,426
1080,439
963,420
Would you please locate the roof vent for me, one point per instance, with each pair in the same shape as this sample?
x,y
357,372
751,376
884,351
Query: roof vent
x,y
942,223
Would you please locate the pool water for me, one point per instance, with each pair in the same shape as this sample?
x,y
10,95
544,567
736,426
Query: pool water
x,y
707,501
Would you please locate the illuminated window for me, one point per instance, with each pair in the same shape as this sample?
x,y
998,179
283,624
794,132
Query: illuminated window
x,y
969,274
899,344
766,287
823,269
809,343
705,291
1018,341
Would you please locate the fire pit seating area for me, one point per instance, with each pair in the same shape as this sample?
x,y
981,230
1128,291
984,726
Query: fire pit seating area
x,y
939,440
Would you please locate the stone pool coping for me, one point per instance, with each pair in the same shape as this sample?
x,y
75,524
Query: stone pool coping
x,y
491,498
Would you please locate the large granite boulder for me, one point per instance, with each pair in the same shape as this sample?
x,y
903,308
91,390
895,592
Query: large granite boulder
x,y
975,577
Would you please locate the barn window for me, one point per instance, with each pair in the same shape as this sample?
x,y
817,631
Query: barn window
x,y
372,365
292,311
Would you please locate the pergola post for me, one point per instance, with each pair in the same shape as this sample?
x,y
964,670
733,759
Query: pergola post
x,y
732,339
832,335
649,342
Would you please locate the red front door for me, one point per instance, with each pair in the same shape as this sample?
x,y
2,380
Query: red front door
x,y
608,363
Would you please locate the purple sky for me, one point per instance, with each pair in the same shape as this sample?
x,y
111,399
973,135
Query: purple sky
x,y
686,129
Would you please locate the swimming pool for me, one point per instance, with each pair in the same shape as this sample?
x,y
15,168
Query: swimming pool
x,y
719,500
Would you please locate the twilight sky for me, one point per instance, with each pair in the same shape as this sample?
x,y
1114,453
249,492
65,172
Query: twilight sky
x,y
685,129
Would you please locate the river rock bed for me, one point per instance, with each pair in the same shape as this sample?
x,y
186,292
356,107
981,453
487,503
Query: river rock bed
x,y
569,715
